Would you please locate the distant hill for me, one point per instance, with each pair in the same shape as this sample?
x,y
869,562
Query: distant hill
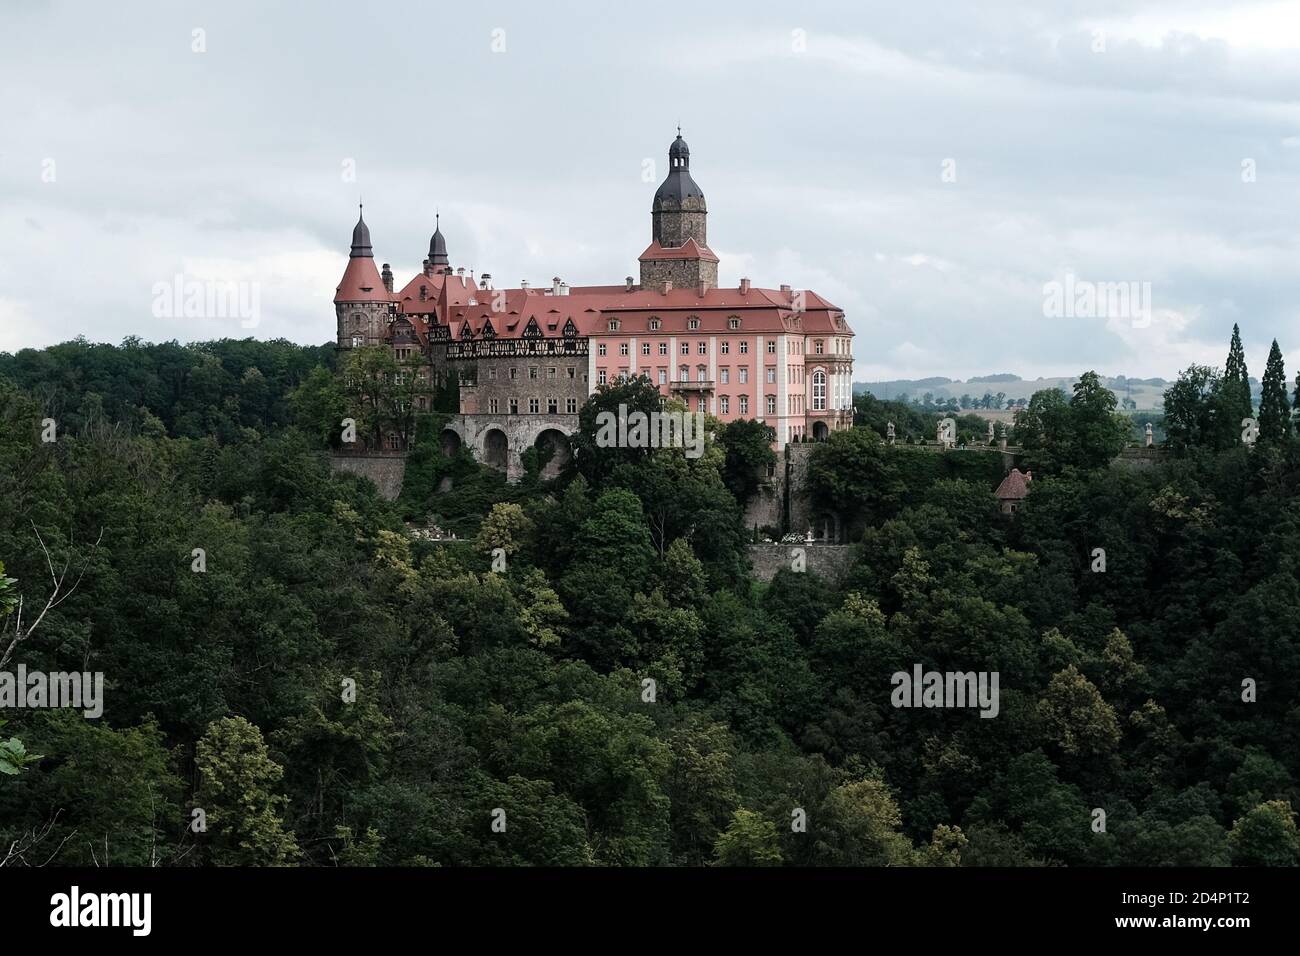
x,y
1146,393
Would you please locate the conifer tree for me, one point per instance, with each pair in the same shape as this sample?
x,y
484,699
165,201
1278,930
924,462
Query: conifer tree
x,y
1234,392
1274,408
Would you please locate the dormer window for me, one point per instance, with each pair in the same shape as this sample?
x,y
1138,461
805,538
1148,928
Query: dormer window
x,y
613,325
733,323
654,325
692,323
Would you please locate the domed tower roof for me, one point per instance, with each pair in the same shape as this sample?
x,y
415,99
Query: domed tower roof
x,y
438,244
361,238
678,185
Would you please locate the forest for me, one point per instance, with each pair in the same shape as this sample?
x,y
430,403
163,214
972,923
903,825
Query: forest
x,y
591,675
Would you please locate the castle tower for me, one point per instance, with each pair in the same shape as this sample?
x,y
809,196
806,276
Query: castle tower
x,y
679,252
362,298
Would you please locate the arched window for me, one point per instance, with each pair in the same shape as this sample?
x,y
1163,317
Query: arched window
x,y
819,391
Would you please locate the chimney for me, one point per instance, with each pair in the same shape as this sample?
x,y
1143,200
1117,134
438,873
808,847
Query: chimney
x,y
744,287
428,268
424,293
461,272
387,276
523,284
555,285
667,286
564,288
785,288
629,283
701,288
487,280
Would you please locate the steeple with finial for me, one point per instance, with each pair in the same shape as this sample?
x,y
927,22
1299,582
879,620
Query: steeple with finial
x,y
679,252
361,236
679,211
438,246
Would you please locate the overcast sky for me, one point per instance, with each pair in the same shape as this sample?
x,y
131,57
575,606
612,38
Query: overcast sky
x,y
927,166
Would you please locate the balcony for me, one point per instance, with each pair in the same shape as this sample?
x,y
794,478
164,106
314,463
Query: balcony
x,y
706,386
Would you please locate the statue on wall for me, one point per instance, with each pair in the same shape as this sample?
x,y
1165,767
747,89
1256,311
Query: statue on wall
x,y
889,432
1150,438
990,438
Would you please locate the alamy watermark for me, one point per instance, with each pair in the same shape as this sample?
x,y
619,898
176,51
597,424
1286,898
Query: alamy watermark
x,y
924,688
638,429
35,689
189,298
1082,299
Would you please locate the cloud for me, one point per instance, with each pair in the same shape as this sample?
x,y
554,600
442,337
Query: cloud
x,y
822,155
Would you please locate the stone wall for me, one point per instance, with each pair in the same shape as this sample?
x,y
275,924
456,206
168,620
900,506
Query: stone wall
x,y
386,471
1140,458
830,561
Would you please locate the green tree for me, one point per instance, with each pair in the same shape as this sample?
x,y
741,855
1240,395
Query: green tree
x,y
1274,407
237,794
1266,836
749,840
748,444
1195,407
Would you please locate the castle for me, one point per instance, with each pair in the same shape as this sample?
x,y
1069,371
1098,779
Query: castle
x,y
527,358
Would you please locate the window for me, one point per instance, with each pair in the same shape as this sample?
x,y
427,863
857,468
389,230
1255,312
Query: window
x,y
532,371
357,341
771,346
571,405
654,325
534,406
492,372
514,405
771,404
702,373
733,323
686,348
771,375
602,349
600,377
494,405
819,346
692,324
819,391
704,348
725,374
552,405
663,348
572,371
613,325
514,374
725,404
645,348
744,347
685,374
744,374
744,404
726,347
622,348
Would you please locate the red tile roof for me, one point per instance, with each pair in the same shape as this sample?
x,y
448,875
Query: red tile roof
x,y
688,250
1014,487
361,282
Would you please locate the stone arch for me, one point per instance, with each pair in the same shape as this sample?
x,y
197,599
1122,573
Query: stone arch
x,y
557,443
450,442
820,431
496,449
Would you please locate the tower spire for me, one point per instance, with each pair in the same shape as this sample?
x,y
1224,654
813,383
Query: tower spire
x,y
361,236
